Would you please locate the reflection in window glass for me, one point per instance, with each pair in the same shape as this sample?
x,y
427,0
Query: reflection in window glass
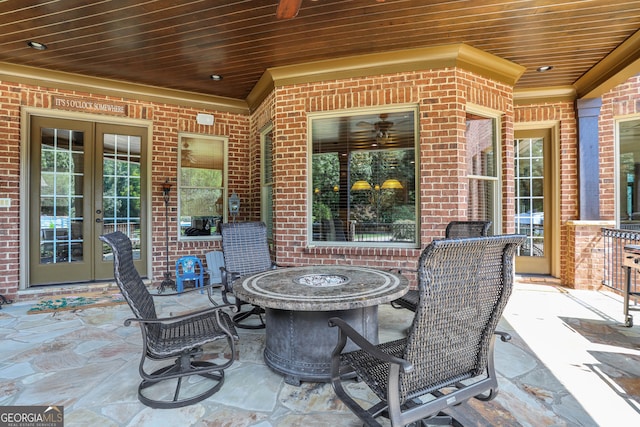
x,y
61,196
480,146
629,175
266,208
482,169
201,181
121,185
363,178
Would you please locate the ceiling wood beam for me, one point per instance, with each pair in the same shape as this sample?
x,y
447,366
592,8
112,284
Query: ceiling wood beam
x,y
615,68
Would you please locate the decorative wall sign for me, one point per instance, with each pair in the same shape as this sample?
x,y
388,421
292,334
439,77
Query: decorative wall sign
x,y
89,106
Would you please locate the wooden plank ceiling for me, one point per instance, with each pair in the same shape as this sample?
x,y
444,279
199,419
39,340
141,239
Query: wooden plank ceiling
x,y
179,44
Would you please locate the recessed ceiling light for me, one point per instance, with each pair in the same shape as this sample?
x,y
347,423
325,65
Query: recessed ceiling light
x,y
216,77
544,68
36,45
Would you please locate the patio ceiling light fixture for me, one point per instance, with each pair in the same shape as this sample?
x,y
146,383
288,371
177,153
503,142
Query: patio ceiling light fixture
x,y
360,185
36,45
391,184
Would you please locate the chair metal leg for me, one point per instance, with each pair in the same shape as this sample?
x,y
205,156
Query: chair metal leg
x,y
243,315
4,300
179,370
441,419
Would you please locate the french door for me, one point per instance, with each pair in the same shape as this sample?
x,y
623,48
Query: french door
x,y
87,179
535,210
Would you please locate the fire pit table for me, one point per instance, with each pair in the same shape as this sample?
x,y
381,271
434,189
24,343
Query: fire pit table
x,y
299,301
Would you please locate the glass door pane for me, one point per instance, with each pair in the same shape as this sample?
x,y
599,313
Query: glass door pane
x,y
121,196
61,196
529,176
120,179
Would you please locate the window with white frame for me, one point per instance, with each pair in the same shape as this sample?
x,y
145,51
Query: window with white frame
x,y
628,179
483,168
201,185
266,194
363,177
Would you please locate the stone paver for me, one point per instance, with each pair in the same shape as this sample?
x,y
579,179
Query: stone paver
x,y
570,362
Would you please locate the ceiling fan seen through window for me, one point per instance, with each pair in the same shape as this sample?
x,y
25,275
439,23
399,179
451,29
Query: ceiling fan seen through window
x,y
288,9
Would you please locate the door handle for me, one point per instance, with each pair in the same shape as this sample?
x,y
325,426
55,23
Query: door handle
x,y
98,219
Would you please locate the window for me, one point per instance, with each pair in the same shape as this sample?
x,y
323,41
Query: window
x,y
202,178
266,209
363,178
629,174
482,170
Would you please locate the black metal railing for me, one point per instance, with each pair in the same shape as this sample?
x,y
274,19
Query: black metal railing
x,y
384,232
335,231
614,241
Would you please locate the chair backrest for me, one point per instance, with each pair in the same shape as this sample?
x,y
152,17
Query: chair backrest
x,y
457,229
215,260
129,281
464,285
245,247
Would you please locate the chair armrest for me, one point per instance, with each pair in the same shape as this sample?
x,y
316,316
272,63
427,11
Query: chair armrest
x,y
227,278
402,270
346,331
169,320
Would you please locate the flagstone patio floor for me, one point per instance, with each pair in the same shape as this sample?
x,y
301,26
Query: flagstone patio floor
x,y
571,362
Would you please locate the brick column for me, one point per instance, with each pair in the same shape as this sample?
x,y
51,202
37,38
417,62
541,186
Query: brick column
x,y
585,254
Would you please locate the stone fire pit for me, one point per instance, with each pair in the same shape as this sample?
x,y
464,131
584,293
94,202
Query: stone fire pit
x,y
322,280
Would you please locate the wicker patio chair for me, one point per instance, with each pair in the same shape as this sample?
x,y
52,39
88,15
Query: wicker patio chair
x,y
447,356
246,251
179,337
454,230
458,229
215,260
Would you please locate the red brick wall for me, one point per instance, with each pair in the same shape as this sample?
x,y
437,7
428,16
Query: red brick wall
x,y
168,121
584,267
442,97
10,100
